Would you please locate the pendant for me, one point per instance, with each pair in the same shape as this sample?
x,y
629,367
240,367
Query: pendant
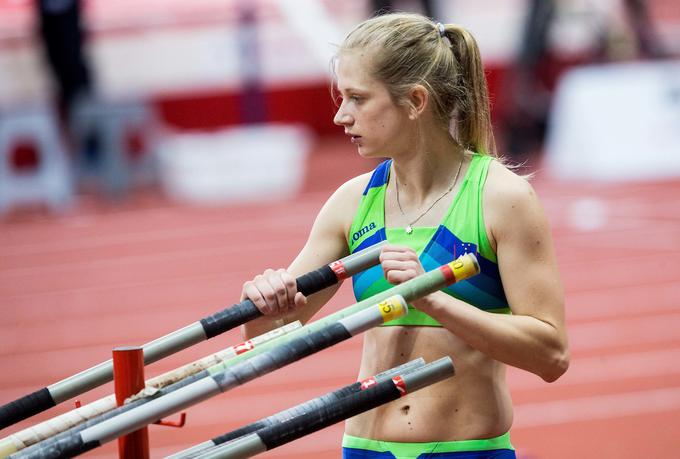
x,y
409,230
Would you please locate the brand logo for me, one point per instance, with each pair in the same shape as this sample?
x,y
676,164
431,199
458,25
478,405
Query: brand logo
x,y
366,383
243,347
356,236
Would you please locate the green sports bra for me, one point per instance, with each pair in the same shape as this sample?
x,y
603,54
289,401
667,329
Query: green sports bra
x,y
461,231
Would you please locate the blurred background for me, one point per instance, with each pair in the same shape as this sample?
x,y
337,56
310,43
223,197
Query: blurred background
x,y
155,155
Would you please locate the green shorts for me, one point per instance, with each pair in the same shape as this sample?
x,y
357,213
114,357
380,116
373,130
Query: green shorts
x,y
364,448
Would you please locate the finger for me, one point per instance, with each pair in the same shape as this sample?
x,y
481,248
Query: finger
x,y
269,296
279,288
264,286
291,287
300,300
251,292
411,264
396,277
399,253
395,247
389,265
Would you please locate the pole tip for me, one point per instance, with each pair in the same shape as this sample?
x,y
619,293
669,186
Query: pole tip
x,y
465,266
393,308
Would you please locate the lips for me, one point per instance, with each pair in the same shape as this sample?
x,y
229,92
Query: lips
x,y
354,138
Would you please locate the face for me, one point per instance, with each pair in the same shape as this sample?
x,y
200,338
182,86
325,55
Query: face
x,y
375,124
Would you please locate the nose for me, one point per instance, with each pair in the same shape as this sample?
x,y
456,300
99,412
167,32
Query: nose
x,y
342,118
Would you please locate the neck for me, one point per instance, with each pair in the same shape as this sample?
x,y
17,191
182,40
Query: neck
x,y
428,168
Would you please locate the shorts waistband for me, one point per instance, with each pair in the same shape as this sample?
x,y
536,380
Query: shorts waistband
x,y
403,449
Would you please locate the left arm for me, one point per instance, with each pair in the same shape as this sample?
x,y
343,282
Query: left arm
x,y
532,338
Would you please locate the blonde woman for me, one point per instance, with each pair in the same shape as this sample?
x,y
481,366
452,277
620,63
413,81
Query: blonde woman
x,y
414,91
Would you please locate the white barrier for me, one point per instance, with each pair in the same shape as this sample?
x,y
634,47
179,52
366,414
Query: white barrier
x,y
616,122
255,162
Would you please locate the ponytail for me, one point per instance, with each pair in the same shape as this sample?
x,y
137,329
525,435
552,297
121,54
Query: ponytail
x,y
472,116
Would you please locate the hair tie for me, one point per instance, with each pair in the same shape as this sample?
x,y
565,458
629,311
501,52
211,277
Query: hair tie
x,y
442,34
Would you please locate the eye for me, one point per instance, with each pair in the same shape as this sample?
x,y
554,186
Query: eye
x,y
356,99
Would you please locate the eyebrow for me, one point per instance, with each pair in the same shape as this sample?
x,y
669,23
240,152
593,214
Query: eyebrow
x,y
351,89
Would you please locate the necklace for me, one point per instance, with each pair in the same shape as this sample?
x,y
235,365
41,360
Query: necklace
x,y
409,227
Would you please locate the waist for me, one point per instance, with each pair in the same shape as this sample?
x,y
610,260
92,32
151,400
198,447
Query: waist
x,y
475,403
411,450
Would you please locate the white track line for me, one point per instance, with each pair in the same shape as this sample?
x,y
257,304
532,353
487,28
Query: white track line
x,y
597,408
604,369
182,226
617,332
115,260
598,304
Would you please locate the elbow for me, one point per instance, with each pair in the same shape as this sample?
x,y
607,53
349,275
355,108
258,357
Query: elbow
x,y
557,366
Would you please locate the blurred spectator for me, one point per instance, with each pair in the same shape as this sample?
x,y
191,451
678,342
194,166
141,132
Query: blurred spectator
x,y
387,6
649,45
528,85
62,37
524,126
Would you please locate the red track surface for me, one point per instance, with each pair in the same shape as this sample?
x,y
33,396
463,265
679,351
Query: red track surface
x,y
73,287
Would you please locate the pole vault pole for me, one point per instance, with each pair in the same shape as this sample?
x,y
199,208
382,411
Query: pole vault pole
x,y
183,338
291,413
458,270
205,388
346,407
44,430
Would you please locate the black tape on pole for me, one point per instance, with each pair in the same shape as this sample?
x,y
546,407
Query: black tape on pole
x,y
229,318
67,447
213,325
42,448
239,373
288,414
316,281
25,407
329,414
282,355
246,311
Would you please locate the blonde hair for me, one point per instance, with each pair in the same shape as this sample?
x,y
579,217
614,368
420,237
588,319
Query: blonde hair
x,y
409,49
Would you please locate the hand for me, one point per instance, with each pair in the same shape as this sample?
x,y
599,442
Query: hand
x,y
274,292
400,264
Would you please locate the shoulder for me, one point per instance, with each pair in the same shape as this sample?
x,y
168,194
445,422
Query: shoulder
x,y
350,192
511,205
340,208
504,187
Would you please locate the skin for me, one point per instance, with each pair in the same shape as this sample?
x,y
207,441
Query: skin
x,y
476,402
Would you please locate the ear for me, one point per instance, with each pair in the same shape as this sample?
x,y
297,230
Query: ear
x,y
418,98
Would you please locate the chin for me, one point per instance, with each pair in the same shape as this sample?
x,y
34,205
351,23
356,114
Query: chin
x,y
369,152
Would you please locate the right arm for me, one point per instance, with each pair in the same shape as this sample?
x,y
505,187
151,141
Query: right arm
x,y
274,292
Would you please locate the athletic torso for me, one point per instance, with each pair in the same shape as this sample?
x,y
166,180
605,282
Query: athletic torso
x,y
475,403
